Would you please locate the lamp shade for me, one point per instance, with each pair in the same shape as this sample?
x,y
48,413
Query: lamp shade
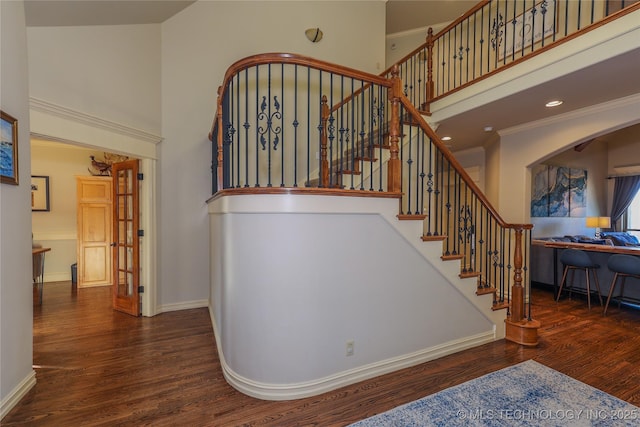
x,y
592,221
598,222
604,222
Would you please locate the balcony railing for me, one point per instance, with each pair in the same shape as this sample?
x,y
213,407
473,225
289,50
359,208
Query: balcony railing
x,y
494,35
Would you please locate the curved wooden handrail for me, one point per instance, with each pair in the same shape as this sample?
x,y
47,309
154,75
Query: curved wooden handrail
x,y
415,114
295,59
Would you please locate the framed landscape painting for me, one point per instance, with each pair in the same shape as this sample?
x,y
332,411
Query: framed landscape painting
x,y
8,149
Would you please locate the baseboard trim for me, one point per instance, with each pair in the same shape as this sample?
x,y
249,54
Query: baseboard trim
x,y
278,392
186,305
57,277
17,393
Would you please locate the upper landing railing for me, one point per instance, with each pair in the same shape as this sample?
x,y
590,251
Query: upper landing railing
x,y
494,35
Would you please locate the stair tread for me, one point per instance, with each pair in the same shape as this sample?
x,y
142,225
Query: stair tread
x,y
433,238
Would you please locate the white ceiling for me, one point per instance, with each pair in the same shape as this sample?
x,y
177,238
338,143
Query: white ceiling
x,y
599,83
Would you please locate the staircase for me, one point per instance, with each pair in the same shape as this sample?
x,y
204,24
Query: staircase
x,y
271,145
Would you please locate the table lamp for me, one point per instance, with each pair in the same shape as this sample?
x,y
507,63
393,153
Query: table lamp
x,y
598,222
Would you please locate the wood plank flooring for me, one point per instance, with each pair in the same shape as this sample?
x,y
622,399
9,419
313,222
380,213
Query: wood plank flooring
x,y
97,367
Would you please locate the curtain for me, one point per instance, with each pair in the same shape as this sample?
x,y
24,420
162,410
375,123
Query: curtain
x,y
624,190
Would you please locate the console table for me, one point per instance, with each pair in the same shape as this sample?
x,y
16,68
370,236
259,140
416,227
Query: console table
x,y
38,270
601,252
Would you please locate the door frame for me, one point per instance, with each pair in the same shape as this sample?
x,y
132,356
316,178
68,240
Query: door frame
x,y
59,124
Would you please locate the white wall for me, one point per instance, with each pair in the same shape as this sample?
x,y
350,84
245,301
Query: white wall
x,y
57,229
282,325
398,45
624,150
16,296
110,72
198,45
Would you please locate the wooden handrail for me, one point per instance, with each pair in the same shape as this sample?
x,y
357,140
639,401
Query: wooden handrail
x,y
295,59
415,114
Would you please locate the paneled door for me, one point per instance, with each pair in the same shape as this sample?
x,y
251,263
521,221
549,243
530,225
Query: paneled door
x,y
94,230
126,249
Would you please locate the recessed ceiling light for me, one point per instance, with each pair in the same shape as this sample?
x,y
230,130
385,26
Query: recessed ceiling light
x,y
553,103
488,128
446,138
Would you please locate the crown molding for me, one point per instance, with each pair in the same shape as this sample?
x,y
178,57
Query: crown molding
x,y
631,100
93,121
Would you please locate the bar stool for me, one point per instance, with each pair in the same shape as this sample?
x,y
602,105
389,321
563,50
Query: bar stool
x,y
576,259
623,266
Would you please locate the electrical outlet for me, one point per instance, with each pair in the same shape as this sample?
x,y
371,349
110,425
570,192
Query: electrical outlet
x,y
350,348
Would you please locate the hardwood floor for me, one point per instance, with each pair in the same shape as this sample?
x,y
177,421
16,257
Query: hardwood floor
x,y
97,367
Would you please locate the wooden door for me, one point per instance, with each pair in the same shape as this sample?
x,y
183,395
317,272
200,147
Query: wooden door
x,y
126,240
94,212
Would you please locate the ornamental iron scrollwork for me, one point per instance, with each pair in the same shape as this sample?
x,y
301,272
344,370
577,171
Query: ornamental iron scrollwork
x,y
497,30
272,123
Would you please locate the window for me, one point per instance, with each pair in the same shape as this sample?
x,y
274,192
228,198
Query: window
x,y
633,216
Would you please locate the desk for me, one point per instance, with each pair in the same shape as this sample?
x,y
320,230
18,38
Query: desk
x,y
602,254
38,270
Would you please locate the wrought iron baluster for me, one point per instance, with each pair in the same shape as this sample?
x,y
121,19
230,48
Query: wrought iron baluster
x,y
448,209
482,40
246,126
295,125
430,211
226,139
237,121
257,184
331,130
282,147
308,127
420,191
363,133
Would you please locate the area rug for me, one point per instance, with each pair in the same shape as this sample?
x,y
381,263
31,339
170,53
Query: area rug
x,y
526,394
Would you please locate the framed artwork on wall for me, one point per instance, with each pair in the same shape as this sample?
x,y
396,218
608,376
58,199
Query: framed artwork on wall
x,y
558,191
40,193
8,149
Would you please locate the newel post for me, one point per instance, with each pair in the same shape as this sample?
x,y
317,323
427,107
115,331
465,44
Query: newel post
x,y
394,167
219,134
324,162
429,86
518,328
517,291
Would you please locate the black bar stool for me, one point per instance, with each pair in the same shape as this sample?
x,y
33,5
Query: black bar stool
x,y
576,259
623,266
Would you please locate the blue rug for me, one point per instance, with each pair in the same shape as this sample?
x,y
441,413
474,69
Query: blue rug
x,y
527,394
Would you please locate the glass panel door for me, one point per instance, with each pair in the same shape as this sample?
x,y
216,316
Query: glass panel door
x,y
126,241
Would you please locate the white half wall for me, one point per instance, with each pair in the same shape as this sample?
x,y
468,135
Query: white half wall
x,y
297,277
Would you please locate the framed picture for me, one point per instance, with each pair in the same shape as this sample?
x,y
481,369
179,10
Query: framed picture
x,y
8,149
40,193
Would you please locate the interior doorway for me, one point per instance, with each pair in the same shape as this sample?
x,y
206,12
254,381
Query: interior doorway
x,y
61,162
